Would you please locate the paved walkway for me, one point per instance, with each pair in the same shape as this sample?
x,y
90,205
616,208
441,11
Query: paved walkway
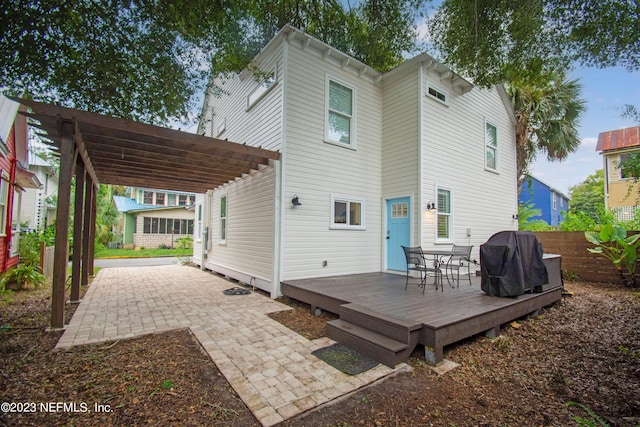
x,y
270,366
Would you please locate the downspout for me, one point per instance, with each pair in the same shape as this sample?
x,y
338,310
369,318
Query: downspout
x,y
419,197
280,175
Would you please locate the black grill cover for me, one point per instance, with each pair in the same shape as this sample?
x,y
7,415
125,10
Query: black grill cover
x,y
511,264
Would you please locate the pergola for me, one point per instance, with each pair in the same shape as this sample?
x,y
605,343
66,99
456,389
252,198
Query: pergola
x,y
103,149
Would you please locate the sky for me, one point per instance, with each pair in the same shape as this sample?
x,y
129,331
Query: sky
x,y
605,92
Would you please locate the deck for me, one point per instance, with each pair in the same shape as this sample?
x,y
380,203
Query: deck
x,y
378,301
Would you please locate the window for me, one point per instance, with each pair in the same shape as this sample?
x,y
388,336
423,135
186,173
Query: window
x,y
182,199
167,226
160,199
444,214
4,195
347,213
437,94
223,218
199,221
171,197
491,147
625,165
553,201
340,114
259,92
147,197
400,210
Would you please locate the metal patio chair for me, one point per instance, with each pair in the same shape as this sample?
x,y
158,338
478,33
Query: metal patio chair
x,y
460,258
417,262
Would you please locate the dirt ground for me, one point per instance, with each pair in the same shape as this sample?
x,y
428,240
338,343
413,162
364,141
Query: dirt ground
x,y
585,349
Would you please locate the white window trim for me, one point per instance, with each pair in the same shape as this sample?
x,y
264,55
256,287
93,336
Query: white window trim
x,y
430,85
222,241
451,238
352,130
4,184
347,199
497,148
554,203
264,87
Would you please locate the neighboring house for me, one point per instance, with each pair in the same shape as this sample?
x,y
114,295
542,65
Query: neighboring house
x,y
14,178
369,162
620,189
551,202
38,209
153,218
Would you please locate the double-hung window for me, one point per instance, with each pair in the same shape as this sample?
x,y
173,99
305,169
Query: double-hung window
x,y
4,196
491,146
347,213
223,219
444,214
340,114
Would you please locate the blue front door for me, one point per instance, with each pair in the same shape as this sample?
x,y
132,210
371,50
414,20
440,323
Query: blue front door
x,y
398,232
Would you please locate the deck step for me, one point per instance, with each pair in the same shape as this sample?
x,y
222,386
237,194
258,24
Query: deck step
x,y
370,343
392,327
388,339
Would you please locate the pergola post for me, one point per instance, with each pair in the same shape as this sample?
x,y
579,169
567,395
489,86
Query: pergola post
x,y
62,224
78,215
92,230
86,237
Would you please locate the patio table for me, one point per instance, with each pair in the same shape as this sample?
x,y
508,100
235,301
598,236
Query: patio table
x,y
438,256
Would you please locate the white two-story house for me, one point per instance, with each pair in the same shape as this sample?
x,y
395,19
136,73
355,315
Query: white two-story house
x,y
370,162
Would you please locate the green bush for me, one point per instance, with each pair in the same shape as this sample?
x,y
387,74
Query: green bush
x,y
613,243
22,275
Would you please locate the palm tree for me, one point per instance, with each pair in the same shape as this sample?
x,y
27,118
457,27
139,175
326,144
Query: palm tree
x,y
547,117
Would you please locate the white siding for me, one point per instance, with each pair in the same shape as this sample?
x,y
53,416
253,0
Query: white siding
x,y
400,133
260,125
453,156
198,230
314,170
247,253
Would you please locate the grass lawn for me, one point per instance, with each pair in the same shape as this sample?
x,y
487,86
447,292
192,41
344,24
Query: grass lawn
x,y
139,253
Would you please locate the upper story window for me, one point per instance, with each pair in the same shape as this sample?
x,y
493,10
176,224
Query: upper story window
x,y
437,94
347,213
491,146
554,201
622,164
265,86
183,200
147,197
160,199
340,114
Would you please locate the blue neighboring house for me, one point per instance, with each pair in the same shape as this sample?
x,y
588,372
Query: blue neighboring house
x,y
550,201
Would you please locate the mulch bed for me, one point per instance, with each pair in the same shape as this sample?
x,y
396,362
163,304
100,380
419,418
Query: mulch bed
x,y
585,349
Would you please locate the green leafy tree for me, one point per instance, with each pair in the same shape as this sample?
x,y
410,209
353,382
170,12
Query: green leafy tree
x,y
106,214
588,196
493,41
149,60
547,118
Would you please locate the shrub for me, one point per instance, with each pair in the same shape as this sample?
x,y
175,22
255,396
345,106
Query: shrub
x,y
613,243
184,243
22,275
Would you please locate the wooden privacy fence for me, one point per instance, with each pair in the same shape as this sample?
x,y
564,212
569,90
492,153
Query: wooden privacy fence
x,y
576,259
46,260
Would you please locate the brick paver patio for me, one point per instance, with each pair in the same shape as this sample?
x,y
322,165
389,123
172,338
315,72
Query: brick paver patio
x,y
269,365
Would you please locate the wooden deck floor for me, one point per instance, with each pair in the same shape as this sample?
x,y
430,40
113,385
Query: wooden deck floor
x,y
447,317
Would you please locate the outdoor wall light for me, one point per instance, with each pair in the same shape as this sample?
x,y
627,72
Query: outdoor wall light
x,y
514,216
431,206
295,201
